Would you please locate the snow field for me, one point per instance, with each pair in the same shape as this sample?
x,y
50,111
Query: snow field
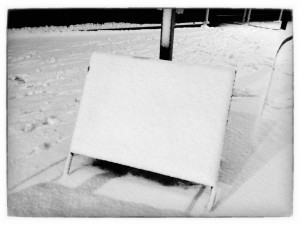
x,y
46,73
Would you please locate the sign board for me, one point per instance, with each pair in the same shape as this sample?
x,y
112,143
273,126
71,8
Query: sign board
x,y
155,115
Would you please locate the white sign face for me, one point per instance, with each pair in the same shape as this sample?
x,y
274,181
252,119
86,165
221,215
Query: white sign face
x,y
155,115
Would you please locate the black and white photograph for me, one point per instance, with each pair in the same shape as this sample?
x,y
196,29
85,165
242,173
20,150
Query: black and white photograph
x,y
150,112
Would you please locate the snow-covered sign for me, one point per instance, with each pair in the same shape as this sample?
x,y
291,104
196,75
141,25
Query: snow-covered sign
x,y
155,115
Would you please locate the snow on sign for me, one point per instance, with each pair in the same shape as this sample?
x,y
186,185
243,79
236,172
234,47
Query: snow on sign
x,y
155,115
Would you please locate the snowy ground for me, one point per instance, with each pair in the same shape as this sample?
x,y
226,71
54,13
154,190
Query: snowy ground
x,y
46,71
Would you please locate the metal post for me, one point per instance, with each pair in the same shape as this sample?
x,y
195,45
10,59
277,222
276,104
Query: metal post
x,y
271,79
249,14
167,34
244,16
206,17
68,164
280,15
212,199
284,21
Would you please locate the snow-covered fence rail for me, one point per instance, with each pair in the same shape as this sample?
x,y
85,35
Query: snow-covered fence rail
x,y
247,15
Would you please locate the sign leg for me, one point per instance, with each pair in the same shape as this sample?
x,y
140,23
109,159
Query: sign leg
x,y
68,164
212,199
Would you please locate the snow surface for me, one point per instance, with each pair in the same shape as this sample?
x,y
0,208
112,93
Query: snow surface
x,y
77,27
87,27
46,73
156,115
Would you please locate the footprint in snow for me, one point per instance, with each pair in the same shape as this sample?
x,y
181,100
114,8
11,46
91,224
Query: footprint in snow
x,y
60,139
46,146
52,60
30,54
36,92
61,75
51,121
43,146
21,78
29,93
28,127
27,56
